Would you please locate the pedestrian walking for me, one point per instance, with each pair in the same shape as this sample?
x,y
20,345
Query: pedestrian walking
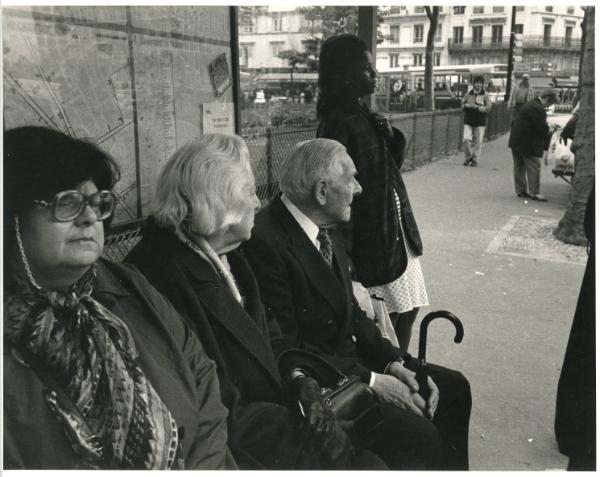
x,y
476,104
528,138
522,93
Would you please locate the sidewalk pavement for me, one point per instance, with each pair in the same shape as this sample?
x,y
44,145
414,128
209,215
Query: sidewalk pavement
x,y
490,258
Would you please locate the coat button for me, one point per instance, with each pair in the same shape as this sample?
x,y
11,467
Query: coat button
x,y
354,338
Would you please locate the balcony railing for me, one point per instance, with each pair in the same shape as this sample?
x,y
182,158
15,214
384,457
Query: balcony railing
x,y
529,42
485,44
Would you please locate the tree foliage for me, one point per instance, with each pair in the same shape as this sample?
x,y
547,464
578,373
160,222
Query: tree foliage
x,y
323,22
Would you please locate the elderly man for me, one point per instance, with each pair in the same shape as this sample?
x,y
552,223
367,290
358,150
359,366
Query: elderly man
x,y
303,275
521,94
528,138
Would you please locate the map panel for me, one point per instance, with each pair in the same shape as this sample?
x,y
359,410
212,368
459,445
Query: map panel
x,y
87,72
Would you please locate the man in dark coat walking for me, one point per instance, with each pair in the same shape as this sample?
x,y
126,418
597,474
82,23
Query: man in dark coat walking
x,y
529,135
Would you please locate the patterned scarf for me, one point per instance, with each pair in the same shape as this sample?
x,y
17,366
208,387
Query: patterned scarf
x,y
119,421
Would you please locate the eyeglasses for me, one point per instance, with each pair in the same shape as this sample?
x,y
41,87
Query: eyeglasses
x,y
68,204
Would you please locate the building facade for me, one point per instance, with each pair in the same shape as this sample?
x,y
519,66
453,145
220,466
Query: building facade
x,y
405,36
481,34
465,35
266,31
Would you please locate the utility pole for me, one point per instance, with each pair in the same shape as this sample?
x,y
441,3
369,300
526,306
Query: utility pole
x,y
509,71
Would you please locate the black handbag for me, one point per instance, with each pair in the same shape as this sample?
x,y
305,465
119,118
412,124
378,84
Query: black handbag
x,y
351,400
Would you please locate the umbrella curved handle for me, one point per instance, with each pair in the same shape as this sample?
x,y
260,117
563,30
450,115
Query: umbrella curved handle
x,y
428,319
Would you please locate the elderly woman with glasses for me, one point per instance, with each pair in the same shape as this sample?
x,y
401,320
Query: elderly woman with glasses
x,y
203,209
100,372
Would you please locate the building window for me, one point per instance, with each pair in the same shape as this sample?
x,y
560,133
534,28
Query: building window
x,y
417,59
276,47
570,10
457,35
418,34
549,9
438,33
394,10
306,23
520,9
458,10
519,28
248,27
478,10
246,50
395,34
547,34
394,60
568,35
277,23
498,9
478,35
419,9
496,34
437,59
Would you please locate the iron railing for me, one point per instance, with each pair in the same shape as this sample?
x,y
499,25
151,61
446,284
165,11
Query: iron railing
x,y
529,42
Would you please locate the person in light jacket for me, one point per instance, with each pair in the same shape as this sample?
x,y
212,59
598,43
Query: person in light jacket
x,y
476,104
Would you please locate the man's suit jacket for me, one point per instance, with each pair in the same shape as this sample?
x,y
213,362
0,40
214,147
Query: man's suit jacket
x,y
529,131
313,303
235,337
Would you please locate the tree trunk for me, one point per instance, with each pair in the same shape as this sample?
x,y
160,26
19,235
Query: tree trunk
x,y
433,15
570,228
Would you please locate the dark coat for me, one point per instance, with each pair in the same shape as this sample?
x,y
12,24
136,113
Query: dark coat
x,y
373,237
575,422
529,131
172,359
237,338
313,303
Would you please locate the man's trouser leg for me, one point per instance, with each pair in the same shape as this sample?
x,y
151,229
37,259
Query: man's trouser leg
x,y
519,173
467,141
532,169
478,133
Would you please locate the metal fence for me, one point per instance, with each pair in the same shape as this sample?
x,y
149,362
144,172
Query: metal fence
x,y
429,135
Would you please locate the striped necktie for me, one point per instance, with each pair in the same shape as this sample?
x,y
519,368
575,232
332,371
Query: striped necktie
x,y
325,245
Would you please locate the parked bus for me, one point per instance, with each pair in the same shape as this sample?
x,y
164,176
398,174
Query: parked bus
x,y
405,87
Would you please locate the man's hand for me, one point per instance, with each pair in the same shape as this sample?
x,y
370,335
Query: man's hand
x,y
434,398
393,391
318,417
408,377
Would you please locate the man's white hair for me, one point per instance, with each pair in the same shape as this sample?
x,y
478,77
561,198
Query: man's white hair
x,y
202,184
309,162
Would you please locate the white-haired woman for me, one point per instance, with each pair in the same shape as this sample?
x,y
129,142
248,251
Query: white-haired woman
x,y
203,209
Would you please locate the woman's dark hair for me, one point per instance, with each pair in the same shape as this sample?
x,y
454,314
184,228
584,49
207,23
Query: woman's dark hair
x,y
478,79
337,62
39,162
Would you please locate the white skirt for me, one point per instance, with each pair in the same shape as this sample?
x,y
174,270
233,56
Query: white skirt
x,y
407,291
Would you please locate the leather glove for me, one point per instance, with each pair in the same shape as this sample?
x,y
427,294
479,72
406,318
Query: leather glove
x,y
318,417
337,450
